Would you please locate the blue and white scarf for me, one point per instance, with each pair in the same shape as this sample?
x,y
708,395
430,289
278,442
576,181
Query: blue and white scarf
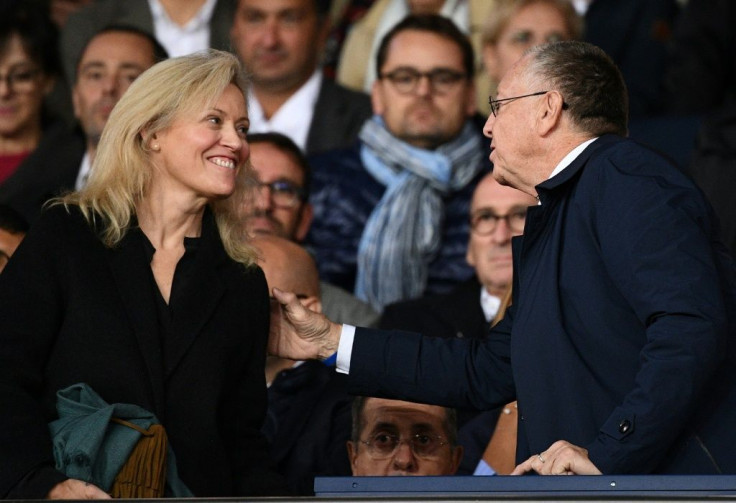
x,y
403,233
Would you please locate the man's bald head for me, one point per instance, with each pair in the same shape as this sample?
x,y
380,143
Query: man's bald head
x,y
287,266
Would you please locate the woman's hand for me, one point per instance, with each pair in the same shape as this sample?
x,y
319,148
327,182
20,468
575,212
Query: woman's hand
x,y
73,489
298,333
562,458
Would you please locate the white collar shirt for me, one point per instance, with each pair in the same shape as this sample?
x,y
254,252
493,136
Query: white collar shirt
x,y
182,40
294,117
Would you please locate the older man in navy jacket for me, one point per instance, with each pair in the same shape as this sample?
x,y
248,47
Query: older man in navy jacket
x,y
619,345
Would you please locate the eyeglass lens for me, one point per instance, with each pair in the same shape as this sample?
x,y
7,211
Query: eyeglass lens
x,y
442,80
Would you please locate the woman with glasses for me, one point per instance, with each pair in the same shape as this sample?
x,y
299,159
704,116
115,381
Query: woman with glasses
x,y
28,66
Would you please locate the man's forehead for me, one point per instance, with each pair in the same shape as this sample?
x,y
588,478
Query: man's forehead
x,y
403,413
118,46
405,47
269,160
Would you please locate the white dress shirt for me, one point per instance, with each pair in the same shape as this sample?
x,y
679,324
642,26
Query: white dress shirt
x,y
182,40
294,117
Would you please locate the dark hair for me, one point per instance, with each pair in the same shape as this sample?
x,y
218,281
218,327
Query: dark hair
x,y
432,23
322,7
589,81
449,424
38,34
159,53
288,147
12,221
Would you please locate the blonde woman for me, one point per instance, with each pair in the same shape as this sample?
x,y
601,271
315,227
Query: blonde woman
x,y
142,286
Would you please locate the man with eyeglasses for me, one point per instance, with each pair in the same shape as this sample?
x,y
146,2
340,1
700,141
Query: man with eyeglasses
x,y
110,61
619,344
392,437
497,214
391,212
281,208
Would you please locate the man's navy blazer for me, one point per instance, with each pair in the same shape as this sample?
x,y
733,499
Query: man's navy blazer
x,y
619,338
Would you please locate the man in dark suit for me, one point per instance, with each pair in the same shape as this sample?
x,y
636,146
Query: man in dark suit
x,y
622,319
108,64
308,418
280,43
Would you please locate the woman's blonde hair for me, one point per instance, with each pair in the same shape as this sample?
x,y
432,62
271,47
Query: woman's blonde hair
x,y
122,170
504,10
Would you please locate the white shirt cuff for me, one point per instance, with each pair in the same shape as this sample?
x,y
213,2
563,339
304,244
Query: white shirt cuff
x,y
345,348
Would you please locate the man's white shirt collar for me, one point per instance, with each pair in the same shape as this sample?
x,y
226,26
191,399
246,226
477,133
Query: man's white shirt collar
x,y
181,40
294,117
489,303
574,153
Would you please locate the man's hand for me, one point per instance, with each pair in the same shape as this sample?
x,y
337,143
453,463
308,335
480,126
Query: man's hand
x,y
298,333
562,458
73,489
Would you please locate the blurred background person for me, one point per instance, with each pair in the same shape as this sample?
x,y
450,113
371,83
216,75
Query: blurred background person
x,y
28,66
636,36
356,67
391,212
143,286
13,228
280,43
181,26
396,438
111,60
308,419
281,208
513,26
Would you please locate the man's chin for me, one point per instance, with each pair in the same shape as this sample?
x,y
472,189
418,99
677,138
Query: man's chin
x,y
264,227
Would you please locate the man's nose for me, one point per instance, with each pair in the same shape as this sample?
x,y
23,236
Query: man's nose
x,y
404,458
488,127
262,198
502,233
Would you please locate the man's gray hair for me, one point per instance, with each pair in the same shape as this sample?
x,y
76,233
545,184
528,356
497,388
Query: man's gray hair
x,y
588,80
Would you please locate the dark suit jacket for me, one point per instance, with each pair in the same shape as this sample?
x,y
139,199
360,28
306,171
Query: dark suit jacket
x,y
338,116
620,337
455,314
87,21
308,424
636,35
51,169
72,310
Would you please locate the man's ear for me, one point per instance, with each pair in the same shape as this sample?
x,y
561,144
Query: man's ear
x,y
377,97
549,112
352,454
470,104
305,221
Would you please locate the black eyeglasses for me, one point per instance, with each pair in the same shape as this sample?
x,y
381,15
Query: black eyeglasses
x,y
423,445
283,193
20,81
496,104
441,80
484,222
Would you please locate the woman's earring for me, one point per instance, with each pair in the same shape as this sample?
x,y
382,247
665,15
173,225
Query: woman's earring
x,y
155,147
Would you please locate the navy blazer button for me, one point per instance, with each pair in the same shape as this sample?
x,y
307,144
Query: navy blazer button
x,y
624,426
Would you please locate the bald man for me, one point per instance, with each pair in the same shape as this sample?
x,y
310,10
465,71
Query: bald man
x,y
308,420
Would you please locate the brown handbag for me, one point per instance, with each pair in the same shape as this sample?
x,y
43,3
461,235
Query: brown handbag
x,y
144,473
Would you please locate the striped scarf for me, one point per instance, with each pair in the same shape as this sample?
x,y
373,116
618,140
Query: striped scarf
x,y
403,233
